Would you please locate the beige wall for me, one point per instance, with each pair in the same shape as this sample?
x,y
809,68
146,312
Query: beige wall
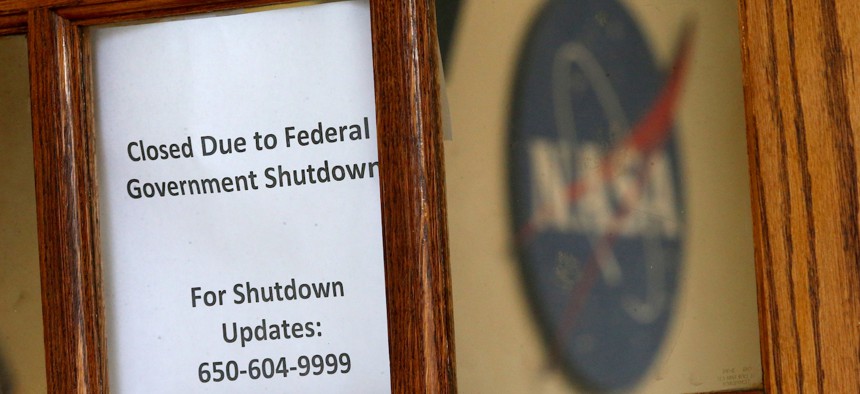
x,y
715,324
21,347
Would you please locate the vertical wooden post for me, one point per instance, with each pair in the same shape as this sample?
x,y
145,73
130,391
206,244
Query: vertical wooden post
x,y
71,282
421,336
801,89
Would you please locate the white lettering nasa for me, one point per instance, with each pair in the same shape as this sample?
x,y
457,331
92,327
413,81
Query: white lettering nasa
x,y
574,197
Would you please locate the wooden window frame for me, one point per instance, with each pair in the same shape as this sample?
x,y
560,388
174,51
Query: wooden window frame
x,y
411,179
798,85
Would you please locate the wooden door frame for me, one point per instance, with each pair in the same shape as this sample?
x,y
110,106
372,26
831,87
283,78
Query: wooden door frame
x,y
798,85
799,81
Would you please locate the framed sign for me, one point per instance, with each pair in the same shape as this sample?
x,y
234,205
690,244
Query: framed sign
x,y
798,85
391,89
252,260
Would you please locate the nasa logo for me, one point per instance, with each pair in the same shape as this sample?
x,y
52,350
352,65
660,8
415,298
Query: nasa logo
x,y
596,189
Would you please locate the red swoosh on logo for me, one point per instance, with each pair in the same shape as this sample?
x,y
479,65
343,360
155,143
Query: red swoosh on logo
x,y
646,136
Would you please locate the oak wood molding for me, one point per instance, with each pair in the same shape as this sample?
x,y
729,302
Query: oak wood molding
x,y
13,23
113,6
72,304
800,88
413,196
27,5
93,12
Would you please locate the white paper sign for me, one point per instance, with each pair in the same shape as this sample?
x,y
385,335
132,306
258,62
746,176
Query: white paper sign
x,y
240,211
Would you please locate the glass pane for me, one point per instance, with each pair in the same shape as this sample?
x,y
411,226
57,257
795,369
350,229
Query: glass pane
x,y
240,210
22,352
599,211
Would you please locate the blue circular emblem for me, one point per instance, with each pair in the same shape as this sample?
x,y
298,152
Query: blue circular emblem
x,y
596,189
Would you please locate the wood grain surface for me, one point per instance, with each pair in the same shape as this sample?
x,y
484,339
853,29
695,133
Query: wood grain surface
x,y
801,98
13,23
421,336
93,12
72,305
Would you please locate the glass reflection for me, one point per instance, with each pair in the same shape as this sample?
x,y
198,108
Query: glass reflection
x,y
22,365
598,196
